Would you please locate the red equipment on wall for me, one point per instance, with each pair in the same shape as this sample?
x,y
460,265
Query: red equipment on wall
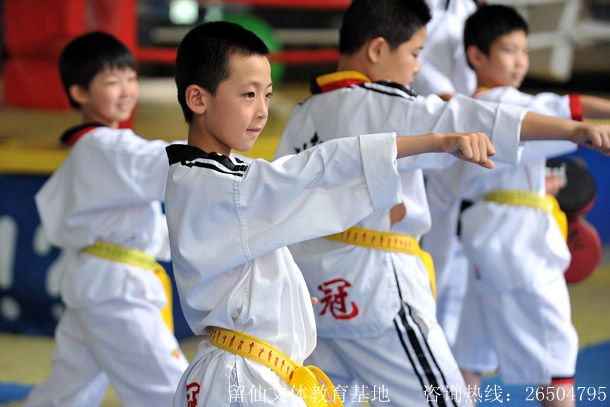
x,y
37,31
576,199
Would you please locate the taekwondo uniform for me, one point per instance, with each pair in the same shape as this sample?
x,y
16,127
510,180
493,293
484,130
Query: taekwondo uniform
x,y
445,71
108,191
443,59
229,223
443,244
461,8
517,311
376,318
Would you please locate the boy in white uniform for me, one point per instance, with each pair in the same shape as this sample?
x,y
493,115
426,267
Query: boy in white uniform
x,y
230,221
517,312
103,204
376,318
445,73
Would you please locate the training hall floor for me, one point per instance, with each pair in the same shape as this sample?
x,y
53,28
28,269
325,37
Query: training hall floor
x,y
25,360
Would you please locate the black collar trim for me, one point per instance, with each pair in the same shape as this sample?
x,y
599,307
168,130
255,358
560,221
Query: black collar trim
x,y
73,134
192,156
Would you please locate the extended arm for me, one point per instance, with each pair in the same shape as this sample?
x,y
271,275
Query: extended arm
x,y
540,127
594,107
474,147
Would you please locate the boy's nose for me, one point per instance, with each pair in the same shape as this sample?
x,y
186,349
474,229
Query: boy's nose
x,y
127,87
263,110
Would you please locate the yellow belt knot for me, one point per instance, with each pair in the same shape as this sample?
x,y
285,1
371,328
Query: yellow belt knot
x,y
308,382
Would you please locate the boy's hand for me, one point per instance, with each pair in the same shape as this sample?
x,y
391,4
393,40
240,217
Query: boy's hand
x,y
553,183
594,136
472,147
397,213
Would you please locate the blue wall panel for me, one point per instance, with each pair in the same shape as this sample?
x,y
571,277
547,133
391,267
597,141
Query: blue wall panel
x,y
29,271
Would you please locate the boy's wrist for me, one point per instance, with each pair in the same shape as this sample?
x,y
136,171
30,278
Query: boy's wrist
x,y
577,130
438,142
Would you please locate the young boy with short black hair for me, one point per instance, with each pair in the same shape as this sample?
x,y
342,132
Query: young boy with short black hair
x,y
517,311
102,205
230,222
376,321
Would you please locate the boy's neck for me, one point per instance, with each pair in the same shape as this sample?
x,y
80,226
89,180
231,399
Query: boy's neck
x,y
485,85
86,118
196,139
352,63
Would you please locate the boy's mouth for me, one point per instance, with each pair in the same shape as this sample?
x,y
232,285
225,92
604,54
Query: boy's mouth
x,y
518,75
125,106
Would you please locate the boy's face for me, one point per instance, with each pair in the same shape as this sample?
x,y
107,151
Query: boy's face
x,y
237,113
507,62
111,97
400,65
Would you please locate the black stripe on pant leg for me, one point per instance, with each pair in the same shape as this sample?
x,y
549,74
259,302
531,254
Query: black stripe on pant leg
x,y
405,347
419,352
432,355
421,356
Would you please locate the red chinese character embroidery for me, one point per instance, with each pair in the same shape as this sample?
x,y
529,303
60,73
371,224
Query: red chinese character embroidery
x,y
334,299
192,391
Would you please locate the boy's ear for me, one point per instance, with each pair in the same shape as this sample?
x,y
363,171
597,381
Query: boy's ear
x,y
78,94
196,98
475,56
374,49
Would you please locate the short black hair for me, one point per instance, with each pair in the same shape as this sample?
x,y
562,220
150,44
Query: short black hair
x,y
394,20
488,23
87,55
204,55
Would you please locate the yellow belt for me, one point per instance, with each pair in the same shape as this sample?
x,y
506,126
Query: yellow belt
x,y
133,257
388,241
546,203
309,382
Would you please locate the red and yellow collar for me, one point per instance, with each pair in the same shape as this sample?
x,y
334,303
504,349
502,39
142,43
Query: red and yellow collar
x,y
337,80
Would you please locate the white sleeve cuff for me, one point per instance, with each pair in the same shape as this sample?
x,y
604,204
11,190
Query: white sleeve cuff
x,y
379,162
506,133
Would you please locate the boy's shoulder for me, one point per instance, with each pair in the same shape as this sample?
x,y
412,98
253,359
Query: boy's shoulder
x,y
391,89
335,98
97,133
502,94
328,85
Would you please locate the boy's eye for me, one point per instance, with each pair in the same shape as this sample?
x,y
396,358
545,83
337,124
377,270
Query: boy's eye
x,y
249,94
268,95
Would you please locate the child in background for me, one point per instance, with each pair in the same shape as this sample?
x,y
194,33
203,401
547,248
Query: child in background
x,y
446,73
103,203
516,315
376,319
230,222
